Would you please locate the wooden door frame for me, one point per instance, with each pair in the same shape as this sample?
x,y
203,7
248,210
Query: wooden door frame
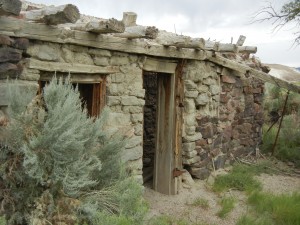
x,y
169,77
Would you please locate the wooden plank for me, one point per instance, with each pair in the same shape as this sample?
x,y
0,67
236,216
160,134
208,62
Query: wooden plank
x,y
20,28
170,39
159,65
256,73
71,67
75,78
101,26
139,32
247,49
227,48
241,40
53,15
164,181
10,7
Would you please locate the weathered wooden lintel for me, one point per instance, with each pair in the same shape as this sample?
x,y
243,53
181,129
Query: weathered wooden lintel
x,y
161,66
70,67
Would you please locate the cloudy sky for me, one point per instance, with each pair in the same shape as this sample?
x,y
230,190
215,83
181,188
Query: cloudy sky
x,y
218,20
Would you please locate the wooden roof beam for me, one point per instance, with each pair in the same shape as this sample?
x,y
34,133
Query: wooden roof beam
x,y
10,7
53,15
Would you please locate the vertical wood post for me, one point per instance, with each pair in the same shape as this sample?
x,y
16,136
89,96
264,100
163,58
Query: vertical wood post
x,y
281,119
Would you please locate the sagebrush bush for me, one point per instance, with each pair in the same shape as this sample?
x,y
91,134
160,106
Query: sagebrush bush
x,y
58,165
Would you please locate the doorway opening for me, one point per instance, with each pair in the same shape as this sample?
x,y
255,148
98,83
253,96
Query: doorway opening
x,y
150,86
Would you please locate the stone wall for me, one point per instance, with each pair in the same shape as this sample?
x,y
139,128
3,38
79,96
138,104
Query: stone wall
x,y
223,109
222,119
124,91
13,65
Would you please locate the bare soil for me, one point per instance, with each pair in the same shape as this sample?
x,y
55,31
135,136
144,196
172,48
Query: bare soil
x,y
180,206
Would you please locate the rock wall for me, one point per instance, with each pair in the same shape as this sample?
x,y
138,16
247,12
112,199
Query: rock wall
x,y
223,109
124,91
223,116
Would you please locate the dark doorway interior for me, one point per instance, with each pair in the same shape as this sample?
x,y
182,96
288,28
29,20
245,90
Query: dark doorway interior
x,y
150,108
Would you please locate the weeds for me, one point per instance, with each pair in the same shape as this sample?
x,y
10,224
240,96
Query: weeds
x,y
201,202
250,220
241,178
227,204
282,209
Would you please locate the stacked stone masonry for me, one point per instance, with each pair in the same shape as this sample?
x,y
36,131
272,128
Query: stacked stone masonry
x,y
222,119
222,109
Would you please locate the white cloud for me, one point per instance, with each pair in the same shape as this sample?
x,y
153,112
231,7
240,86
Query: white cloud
x,y
217,19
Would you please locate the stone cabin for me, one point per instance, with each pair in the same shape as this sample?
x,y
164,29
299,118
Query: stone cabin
x,y
188,103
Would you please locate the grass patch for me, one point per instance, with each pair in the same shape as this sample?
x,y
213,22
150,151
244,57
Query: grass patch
x,y
283,209
250,220
201,202
168,220
2,221
240,178
227,204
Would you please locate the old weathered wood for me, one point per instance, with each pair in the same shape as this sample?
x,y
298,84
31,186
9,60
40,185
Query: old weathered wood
x,y
169,39
227,48
101,26
10,7
53,15
241,40
139,32
129,19
164,181
75,77
72,68
161,66
247,49
256,73
211,45
20,28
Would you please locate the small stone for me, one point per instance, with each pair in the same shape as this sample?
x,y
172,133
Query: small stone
x,y
21,43
202,99
200,173
228,79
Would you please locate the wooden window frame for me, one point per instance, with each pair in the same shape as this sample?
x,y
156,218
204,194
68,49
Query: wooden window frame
x,y
98,91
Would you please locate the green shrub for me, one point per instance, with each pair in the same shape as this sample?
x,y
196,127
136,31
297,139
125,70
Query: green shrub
x,y
57,165
227,204
282,209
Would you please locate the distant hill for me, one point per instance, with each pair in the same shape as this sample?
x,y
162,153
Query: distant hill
x,y
291,74
298,68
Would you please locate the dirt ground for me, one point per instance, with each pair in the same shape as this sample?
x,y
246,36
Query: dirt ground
x,y
179,206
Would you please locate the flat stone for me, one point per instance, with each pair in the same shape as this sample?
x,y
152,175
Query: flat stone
x,y
137,118
187,179
188,147
215,89
190,154
101,61
10,55
133,141
21,43
191,94
228,79
113,100
132,154
132,109
132,101
5,40
202,99
189,105
191,138
200,173
189,85
191,161
47,52
206,130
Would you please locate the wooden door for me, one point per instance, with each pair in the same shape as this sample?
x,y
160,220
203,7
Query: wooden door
x,y
164,181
